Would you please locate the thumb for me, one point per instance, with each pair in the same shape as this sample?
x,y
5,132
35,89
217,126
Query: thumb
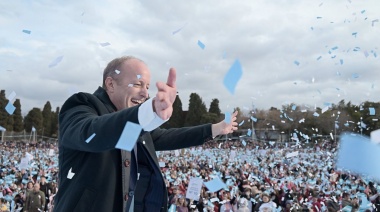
x,y
172,77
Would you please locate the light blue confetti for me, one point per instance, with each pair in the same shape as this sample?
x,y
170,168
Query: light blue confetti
x,y
355,75
105,44
296,62
371,111
200,44
294,107
341,61
227,117
354,34
90,138
319,17
334,48
233,76
55,61
253,119
363,11
249,133
319,57
10,108
316,114
26,31
241,123
129,136
359,155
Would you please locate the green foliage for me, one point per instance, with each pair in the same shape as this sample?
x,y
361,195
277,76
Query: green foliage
x,y
54,123
3,113
197,109
34,119
18,124
214,107
177,118
46,119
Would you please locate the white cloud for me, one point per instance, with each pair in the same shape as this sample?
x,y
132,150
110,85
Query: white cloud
x,y
266,36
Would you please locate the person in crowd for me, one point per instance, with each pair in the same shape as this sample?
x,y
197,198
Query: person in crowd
x,y
181,204
35,201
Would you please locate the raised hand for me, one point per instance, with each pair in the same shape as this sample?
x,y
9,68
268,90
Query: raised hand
x,y
165,97
222,128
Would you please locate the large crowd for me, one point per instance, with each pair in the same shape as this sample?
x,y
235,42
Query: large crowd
x,y
258,176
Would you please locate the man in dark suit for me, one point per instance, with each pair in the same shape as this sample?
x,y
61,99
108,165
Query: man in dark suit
x,y
95,175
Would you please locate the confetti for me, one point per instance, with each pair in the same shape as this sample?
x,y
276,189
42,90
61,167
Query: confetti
x,y
319,57
70,174
11,96
90,138
56,61
26,31
233,76
249,133
117,71
355,75
241,123
200,44
354,34
359,155
316,114
138,76
10,108
178,30
373,22
227,117
244,143
341,61
371,111
129,136
253,119
215,185
375,136
105,44
296,62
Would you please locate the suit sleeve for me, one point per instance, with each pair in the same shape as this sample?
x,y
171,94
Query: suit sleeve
x,y
81,118
178,138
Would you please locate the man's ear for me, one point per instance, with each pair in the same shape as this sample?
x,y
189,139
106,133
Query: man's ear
x,y
109,84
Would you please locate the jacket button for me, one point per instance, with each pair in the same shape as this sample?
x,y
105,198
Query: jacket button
x,y
127,163
131,193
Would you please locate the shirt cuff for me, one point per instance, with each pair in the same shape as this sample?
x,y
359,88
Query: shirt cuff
x,y
148,119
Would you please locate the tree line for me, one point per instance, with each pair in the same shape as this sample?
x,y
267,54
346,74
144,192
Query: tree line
x,y
290,118
44,121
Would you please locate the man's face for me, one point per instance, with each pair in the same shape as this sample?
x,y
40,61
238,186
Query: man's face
x,y
131,86
36,187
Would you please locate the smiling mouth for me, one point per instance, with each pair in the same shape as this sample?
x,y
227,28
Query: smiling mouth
x,y
138,101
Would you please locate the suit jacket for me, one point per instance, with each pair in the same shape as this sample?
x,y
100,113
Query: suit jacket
x,y
100,173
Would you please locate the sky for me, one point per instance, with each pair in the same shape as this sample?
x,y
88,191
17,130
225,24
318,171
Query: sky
x,y
305,52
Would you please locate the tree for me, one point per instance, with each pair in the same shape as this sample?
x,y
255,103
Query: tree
x,y
177,119
214,107
3,112
196,110
46,119
34,119
54,123
209,118
18,124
